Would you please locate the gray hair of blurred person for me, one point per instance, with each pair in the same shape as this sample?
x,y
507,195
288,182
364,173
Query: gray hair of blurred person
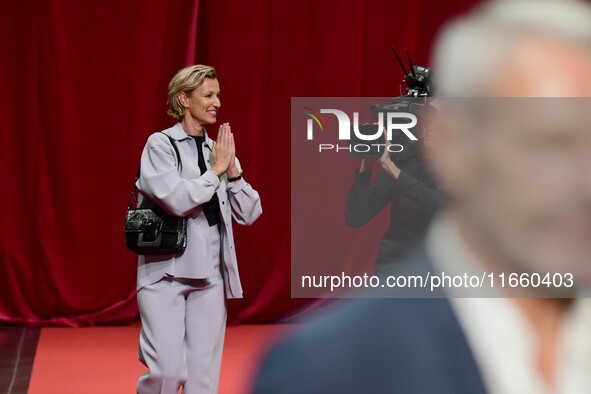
x,y
488,34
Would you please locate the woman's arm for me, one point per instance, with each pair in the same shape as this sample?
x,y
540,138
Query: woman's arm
x,y
404,183
430,198
244,200
160,180
365,200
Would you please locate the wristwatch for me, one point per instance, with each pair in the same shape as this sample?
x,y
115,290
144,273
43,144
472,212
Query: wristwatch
x,y
236,178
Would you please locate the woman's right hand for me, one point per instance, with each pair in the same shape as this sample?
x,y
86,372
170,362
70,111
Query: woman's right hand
x,y
366,164
386,161
223,150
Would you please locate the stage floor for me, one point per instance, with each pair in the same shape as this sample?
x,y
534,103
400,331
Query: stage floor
x,y
104,359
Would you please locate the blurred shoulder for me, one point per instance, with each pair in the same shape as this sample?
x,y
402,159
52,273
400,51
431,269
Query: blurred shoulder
x,y
372,345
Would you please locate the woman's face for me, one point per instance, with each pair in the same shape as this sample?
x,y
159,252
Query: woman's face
x,y
203,103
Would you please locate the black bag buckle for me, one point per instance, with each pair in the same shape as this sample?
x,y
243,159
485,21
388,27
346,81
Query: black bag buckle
x,y
151,234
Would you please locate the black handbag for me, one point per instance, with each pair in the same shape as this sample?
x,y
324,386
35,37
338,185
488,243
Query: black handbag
x,y
149,229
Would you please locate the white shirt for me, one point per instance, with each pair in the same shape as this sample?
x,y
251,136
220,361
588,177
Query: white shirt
x,y
501,337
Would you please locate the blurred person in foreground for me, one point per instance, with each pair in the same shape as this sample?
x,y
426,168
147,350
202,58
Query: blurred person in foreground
x,y
518,188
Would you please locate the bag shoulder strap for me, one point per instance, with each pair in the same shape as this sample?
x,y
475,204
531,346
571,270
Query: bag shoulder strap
x,y
134,192
176,149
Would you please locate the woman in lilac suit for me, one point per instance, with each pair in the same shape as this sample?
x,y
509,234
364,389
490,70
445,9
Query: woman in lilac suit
x,y
182,297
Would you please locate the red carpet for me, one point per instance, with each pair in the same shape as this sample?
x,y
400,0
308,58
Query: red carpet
x,y
104,359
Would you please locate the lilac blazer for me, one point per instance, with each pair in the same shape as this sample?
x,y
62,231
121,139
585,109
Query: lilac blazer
x,y
181,194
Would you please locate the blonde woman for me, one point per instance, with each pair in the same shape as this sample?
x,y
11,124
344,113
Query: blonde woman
x,y
181,297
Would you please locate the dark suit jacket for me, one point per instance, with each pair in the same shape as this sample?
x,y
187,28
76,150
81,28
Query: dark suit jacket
x,y
387,345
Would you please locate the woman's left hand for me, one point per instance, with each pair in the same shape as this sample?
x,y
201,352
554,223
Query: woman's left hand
x,y
386,162
232,168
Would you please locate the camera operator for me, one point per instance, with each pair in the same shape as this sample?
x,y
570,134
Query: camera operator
x,y
404,184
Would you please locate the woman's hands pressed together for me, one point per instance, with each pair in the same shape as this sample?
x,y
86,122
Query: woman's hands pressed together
x,y
224,152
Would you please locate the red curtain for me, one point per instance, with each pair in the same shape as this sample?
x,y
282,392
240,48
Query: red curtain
x,y
83,83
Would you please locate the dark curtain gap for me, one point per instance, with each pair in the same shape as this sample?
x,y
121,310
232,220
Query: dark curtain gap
x,y
17,345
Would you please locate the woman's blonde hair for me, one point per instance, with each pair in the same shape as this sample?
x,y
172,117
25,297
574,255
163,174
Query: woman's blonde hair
x,y
185,81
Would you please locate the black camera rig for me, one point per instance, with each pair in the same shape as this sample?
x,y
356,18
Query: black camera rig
x,y
415,90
